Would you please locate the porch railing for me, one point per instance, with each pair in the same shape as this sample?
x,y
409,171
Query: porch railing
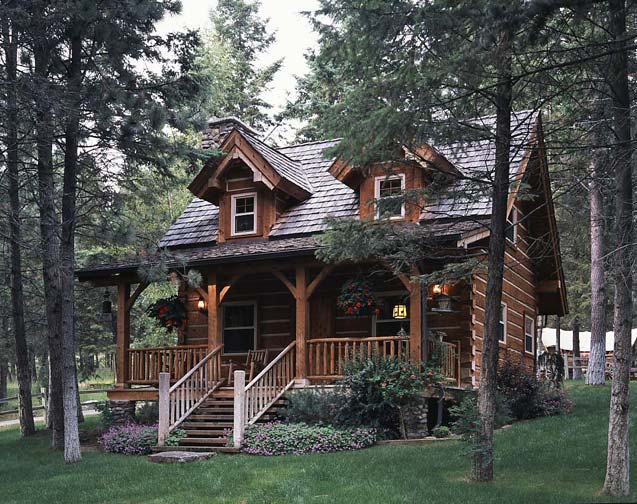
x,y
253,400
178,401
446,356
145,364
327,355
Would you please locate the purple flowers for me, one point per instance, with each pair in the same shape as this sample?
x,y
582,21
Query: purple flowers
x,y
298,438
129,439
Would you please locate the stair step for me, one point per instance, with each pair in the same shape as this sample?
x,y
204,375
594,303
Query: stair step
x,y
213,416
192,425
224,449
218,402
205,441
207,417
206,432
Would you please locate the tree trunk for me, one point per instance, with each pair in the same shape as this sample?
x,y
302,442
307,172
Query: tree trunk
x,y
577,365
482,462
27,426
617,466
48,233
4,377
596,373
67,249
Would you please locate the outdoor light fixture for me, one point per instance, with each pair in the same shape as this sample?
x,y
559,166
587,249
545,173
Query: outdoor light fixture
x,y
442,301
201,304
436,289
107,308
399,311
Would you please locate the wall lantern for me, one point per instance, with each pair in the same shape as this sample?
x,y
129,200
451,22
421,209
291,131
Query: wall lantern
x,y
442,301
201,305
436,289
107,307
399,311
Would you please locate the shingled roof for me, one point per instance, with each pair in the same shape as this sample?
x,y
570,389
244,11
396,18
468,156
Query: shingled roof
x,y
192,237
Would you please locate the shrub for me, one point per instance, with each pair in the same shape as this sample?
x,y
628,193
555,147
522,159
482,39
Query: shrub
x,y
298,438
148,413
315,407
174,437
129,439
441,432
375,388
106,415
466,420
555,402
521,390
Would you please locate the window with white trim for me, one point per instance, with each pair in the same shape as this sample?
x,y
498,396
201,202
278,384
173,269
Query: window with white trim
x,y
502,328
239,327
244,214
388,193
529,334
511,230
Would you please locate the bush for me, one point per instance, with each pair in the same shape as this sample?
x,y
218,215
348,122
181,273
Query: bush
x,y
106,415
148,413
466,420
174,437
555,402
315,406
129,439
298,438
527,396
441,432
375,388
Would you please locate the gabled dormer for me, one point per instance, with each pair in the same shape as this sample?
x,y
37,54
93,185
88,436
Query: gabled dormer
x,y
249,181
381,187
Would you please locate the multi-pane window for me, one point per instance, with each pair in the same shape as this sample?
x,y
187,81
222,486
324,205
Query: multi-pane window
x,y
502,328
244,214
389,196
239,327
529,334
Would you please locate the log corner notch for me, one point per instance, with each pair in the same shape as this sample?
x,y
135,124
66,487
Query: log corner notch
x,y
125,302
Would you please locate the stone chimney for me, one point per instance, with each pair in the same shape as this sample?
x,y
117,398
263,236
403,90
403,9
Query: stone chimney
x,y
219,128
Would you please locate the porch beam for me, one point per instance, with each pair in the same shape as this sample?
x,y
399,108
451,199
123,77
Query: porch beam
x,y
224,290
319,278
214,332
123,333
302,312
133,297
285,280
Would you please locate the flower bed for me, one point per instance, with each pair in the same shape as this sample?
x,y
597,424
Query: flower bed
x,y
129,439
298,438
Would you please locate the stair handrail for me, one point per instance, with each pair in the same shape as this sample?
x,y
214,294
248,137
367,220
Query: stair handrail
x,y
176,403
255,399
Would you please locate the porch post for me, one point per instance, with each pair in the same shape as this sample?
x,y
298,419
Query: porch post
x,y
302,316
415,323
214,333
123,333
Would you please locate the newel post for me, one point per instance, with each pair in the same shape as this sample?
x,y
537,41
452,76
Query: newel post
x,y
239,407
164,419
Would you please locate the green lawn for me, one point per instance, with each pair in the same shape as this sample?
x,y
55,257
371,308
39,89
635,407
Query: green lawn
x,y
552,460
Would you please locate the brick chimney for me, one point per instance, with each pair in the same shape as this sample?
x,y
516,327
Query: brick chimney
x,y
219,128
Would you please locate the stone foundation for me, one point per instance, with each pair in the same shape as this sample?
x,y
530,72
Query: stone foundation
x,y
122,411
415,417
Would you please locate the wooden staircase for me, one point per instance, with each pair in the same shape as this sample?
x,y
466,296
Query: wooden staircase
x,y
210,424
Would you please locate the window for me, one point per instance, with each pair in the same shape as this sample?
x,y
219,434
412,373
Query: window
x,y
511,231
388,193
239,327
529,334
502,334
244,214
385,324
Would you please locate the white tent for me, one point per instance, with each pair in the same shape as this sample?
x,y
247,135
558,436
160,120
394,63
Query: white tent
x,y
566,339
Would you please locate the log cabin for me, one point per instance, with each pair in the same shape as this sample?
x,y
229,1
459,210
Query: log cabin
x,y
252,230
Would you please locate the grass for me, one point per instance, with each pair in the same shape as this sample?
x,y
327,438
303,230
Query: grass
x,y
551,460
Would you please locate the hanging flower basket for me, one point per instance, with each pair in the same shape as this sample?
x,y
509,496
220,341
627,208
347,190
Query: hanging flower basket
x,y
357,298
169,312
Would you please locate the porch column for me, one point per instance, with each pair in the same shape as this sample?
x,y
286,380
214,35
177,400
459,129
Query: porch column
x,y
214,322
302,321
415,323
123,333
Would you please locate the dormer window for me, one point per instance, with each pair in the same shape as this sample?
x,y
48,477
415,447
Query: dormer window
x,y
244,214
388,193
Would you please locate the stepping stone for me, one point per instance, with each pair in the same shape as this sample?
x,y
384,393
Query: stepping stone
x,y
178,457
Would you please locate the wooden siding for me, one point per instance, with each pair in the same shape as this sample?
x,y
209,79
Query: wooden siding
x,y
518,293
